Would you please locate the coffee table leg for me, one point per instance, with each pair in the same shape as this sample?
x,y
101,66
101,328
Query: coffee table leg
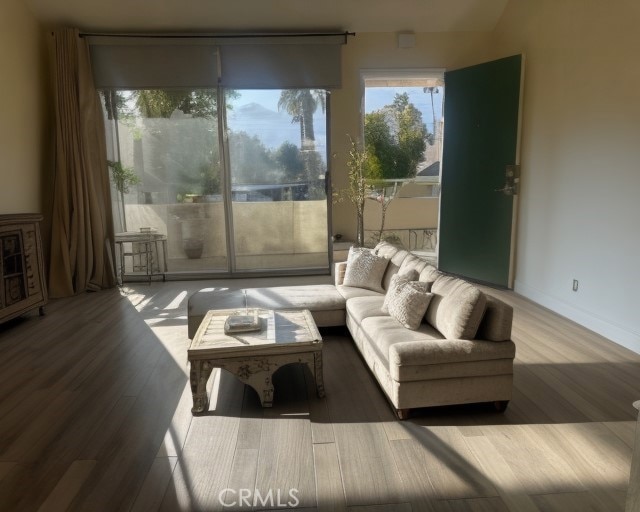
x,y
200,372
263,385
317,373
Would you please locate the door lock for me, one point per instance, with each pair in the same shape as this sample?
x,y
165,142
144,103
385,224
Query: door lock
x,y
511,181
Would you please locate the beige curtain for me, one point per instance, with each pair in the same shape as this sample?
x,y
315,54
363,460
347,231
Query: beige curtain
x,y
82,224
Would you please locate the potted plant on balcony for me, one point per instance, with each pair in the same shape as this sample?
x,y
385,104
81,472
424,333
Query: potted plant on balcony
x,y
383,196
204,187
364,171
123,178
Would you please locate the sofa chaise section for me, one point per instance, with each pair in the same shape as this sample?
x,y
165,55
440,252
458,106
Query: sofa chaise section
x,y
326,304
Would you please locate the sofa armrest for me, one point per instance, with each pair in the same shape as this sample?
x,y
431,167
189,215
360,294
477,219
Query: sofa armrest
x,y
434,351
339,270
497,320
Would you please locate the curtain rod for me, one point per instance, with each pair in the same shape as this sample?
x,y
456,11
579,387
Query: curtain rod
x,y
220,36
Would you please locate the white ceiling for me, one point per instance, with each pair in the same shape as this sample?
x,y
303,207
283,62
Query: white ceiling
x,y
271,15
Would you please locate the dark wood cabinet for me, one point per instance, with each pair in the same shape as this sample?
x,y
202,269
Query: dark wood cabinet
x,y
22,283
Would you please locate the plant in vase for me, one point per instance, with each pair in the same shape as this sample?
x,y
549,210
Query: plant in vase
x,y
364,170
123,178
200,186
383,196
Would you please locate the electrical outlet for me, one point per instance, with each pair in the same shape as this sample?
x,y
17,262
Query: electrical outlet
x,y
575,285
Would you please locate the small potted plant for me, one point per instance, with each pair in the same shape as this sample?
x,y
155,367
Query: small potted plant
x,y
364,170
123,178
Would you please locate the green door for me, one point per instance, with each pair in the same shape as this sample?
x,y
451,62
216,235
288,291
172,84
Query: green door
x,y
480,140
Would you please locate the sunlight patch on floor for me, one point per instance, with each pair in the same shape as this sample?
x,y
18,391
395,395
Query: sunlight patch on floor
x,y
177,302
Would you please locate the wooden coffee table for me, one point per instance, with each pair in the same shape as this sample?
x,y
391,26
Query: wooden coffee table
x,y
286,336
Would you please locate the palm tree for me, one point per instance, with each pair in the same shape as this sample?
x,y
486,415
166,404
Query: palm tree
x,y
301,104
432,91
162,103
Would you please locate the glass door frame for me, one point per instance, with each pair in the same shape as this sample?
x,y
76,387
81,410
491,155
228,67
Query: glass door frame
x,y
227,194
225,184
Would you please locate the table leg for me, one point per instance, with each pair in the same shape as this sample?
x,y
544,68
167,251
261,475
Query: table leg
x,y
199,375
121,245
149,257
164,259
263,385
255,372
318,375
314,363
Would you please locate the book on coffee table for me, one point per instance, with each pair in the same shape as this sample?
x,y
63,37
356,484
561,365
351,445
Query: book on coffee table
x,y
243,323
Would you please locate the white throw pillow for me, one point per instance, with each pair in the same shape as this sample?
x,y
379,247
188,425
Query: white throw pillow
x,y
365,270
355,251
410,303
397,281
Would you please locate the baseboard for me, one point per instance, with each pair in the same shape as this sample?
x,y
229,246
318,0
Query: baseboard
x,y
624,337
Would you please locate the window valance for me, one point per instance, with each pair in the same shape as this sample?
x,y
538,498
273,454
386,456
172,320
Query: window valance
x,y
272,61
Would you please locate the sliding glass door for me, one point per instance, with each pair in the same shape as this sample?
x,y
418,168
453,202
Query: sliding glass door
x,y
260,205
278,167
166,172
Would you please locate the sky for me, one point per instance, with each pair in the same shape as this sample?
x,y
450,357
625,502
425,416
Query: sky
x,y
378,97
375,99
243,115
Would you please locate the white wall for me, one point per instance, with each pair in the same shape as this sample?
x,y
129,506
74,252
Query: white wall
x,y
580,204
23,116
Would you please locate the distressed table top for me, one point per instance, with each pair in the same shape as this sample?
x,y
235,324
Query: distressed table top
x,y
283,331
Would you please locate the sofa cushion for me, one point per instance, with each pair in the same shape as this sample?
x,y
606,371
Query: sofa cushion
x,y
348,292
395,255
397,346
311,297
430,351
410,303
326,303
360,308
382,332
365,270
456,308
412,262
429,274
386,249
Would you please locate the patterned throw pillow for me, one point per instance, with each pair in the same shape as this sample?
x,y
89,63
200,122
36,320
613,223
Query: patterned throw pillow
x,y
409,303
397,281
355,251
365,270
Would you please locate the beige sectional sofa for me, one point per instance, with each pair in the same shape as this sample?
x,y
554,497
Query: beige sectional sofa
x,y
460,353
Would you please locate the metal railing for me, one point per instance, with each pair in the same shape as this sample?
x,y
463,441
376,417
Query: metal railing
x,y
412,239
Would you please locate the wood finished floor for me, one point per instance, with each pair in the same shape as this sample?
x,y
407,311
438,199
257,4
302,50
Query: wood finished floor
x,y
95,415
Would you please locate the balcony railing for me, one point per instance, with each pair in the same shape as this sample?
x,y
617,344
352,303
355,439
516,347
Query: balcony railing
x,y
422,241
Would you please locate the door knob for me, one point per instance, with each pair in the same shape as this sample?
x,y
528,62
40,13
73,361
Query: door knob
x,y
511,181
507,190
